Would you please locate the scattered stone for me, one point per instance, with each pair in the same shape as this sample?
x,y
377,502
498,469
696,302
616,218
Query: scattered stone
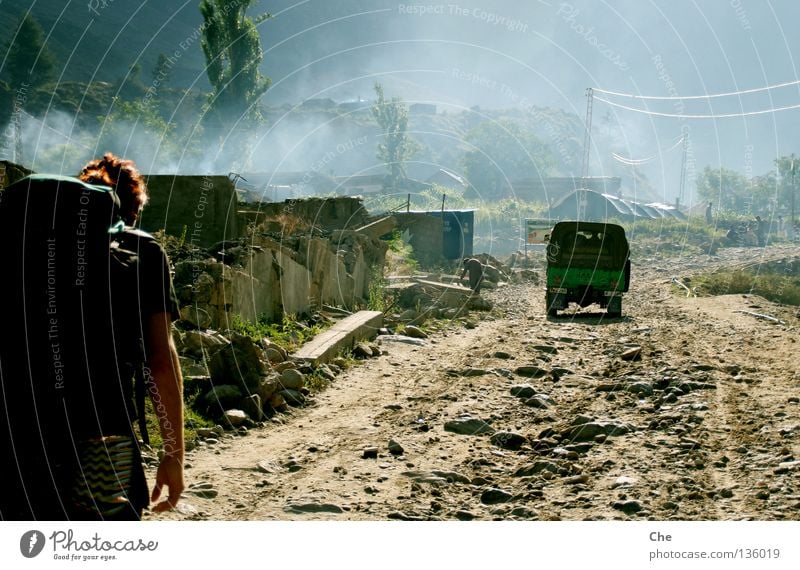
x,y
640,388
624,481
588,431
274,355
763,495
204,490
223,396
235,417
362,350
401,516
414,332
395,448
577,480
241,363
370,453
277,402
579,448
537,467
631,354
425,477
787,466
267,387
191,367
628,507
508,440
196,316
546,348
523,391
469,372
452,477
524,513
502,355
292,379
304,508
268,466
531,371
252,407
281,366
541,401
292,397
495,496
465,515
203,343
401,339
726,493
468,425
326,372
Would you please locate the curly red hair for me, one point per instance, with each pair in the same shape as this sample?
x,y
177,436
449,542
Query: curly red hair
x,y
123,176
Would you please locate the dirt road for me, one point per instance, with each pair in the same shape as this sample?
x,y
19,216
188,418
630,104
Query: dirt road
x,y
547,419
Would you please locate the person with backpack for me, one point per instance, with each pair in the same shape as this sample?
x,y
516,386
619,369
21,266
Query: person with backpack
x,y
89,300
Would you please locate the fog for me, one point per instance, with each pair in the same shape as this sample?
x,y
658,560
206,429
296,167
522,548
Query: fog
x,y
499,54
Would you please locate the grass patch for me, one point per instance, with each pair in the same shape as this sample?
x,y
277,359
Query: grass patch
x,y
289,333
672,237
777,287
192,421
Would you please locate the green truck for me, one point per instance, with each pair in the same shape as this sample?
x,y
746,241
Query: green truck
x,y
587,263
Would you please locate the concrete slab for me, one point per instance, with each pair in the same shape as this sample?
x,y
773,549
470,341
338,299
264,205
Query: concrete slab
x,y
344,334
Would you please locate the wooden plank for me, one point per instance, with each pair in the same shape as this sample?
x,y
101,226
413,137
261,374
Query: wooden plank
x,y
344,334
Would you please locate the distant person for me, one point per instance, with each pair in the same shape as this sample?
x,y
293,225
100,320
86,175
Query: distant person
x,y
781,227
710,214
761,228
474,267
89,299
749,237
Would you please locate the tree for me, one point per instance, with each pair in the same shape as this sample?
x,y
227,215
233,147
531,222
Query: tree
x,y
397,147
232,49
501,151
162,71
782,190
29,62
726,188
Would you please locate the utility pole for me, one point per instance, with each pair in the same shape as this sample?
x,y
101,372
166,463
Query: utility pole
x,y
587,143
683,170
793,193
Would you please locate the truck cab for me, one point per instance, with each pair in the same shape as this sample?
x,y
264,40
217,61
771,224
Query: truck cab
x,y
587,262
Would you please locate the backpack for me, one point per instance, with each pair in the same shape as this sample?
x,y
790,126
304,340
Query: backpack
x,y
66,367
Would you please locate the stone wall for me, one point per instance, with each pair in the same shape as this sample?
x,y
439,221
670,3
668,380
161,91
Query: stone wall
x,y
203,209
341,212
273,279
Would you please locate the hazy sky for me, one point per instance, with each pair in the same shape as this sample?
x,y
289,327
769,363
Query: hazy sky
x,y
498,54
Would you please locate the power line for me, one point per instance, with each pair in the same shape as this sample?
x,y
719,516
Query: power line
x,y
684,98
638,161
684,116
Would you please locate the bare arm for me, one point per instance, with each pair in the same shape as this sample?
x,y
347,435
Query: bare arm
x,y
166,392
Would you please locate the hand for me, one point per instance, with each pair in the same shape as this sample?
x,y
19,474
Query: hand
x,y
170,473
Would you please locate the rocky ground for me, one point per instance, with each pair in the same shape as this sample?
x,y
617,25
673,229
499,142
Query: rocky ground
x,y
684,409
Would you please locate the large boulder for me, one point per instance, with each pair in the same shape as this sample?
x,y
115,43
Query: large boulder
x,y
241,363
203,344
